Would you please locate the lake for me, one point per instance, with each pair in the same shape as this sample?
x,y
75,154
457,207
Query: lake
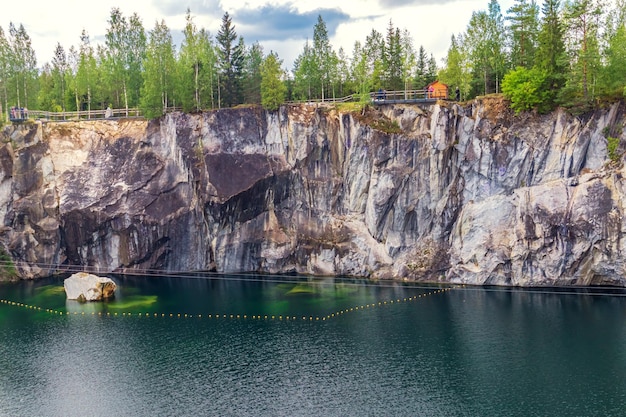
x,y
228,345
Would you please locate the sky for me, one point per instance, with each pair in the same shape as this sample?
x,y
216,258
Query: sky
x,y
281,26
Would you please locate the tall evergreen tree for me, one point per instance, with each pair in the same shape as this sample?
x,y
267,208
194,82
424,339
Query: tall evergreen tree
x,y
392,58
58,72
582,43
421,68
252,74
374,48
550,55
523,31
230,62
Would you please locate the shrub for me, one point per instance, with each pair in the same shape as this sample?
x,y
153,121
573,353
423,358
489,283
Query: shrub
x,y
525,88
612,144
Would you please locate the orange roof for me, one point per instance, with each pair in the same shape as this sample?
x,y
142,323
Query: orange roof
x,y
437,82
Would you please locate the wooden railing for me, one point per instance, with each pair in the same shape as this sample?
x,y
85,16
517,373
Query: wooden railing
x,y
84,115
377,97
382,96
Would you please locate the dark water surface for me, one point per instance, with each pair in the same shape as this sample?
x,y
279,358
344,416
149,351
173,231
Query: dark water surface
x,y
457,352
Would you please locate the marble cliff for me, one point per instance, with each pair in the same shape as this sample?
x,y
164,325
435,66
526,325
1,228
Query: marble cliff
x,y
464,193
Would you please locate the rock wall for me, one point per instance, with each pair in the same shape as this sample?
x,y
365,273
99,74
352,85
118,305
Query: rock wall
x,y
464,193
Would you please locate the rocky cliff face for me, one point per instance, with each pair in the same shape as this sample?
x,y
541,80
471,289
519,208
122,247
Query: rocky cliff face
x,y
465,193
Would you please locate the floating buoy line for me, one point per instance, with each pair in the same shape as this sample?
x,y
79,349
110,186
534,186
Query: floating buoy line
x,y
262,317
287,279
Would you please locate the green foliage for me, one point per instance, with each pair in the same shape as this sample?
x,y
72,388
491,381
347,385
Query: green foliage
x,y
253,60
159,73
231,59
455,73
581,17
523,28
578,48
611,146
273,89
525,88
7,267
123,58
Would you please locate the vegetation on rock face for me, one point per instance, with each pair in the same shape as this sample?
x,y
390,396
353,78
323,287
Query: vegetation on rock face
x,y
8,270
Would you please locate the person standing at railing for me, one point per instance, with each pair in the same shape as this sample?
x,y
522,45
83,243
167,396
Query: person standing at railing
x,y
108,113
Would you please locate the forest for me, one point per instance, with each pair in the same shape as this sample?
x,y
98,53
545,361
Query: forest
x,y
539,57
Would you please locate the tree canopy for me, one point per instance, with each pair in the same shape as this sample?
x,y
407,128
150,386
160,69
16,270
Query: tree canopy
x,y
567,54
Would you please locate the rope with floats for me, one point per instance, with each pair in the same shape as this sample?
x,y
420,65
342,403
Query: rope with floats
x,y
256,317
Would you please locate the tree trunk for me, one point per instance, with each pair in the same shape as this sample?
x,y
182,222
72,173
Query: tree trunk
x,y
125,98
196,86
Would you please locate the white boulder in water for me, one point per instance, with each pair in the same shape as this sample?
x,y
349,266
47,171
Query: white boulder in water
x,y
87,287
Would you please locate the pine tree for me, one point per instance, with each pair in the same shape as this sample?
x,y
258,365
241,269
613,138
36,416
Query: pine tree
x,y
253,60
582,45
421,69
523,31
392,59
374,49
550,55
58,71
230,62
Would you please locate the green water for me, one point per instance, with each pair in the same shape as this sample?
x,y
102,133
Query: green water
x,y
332,348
